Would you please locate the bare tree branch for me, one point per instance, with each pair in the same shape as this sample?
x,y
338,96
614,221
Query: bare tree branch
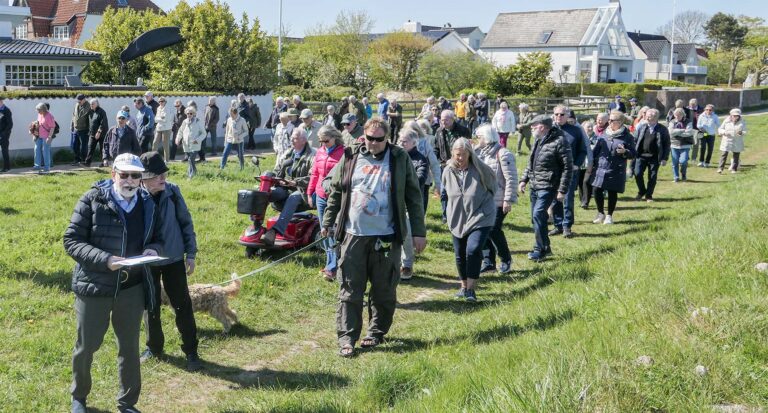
x,y
689,27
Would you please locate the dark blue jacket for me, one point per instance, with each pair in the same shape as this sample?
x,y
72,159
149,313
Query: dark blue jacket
x,y
610,168
662,140
576,139
6,123
175,225
96,232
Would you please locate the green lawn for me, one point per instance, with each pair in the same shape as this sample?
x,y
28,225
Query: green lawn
x,y
558,336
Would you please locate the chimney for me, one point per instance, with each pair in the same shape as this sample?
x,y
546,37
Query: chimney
x,y
6,30
412,27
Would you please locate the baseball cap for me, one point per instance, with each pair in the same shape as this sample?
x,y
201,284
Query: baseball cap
x,y
633,100
293,112
306,113
121,114
543,119
348,118
618,96
128,162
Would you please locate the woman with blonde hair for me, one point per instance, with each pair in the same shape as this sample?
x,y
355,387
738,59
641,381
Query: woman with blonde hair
x,y
471,211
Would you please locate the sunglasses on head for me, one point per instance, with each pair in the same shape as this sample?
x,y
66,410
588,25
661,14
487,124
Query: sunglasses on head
x,y
375,138
132,175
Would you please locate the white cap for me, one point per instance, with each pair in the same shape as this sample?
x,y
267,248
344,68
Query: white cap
x,y
128,162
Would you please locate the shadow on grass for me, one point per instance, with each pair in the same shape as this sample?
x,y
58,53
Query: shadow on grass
x,y
10,211
240,331
266,378
61,280
433,228
681,199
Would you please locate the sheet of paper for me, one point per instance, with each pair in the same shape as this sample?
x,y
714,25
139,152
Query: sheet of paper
x,y
139,260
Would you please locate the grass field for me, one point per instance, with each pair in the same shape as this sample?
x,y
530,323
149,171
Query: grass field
x,y
559,336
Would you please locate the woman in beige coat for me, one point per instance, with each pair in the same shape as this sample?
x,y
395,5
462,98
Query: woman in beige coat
x,y
732,133
190,136
234,135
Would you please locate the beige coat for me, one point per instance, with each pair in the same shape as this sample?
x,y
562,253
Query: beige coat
x,y
236,131
732,135
191,135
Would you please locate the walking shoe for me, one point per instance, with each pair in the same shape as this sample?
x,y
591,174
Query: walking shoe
x,y
706,165
733,171
406,273
639,197
537,255
599,219
567,233
85,164
75,163
461,294
78,406
584,206
676,180
186,159
719,170
5,170
506,267
470,296
128,409
488,266
608,220
555,231
649,200
193,362
147,354
685,178
701,164
269,237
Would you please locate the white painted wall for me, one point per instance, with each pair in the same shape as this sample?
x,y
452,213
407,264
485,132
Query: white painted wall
x,y
62,108
89,27
561,56
451,43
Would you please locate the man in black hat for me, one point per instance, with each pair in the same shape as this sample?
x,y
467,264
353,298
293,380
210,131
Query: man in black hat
x,y
180,246
6,124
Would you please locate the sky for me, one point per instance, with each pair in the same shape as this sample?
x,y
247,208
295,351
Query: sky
x,y
300,15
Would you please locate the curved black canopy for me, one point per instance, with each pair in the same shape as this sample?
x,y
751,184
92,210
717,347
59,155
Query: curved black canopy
x,y
151,41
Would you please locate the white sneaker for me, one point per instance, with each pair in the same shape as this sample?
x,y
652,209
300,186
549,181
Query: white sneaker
x,y
608,220
599,219
733,171
701,163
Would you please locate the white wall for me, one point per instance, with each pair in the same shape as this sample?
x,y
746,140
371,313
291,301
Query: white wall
x,y
61,108
561,56
89,27
451,43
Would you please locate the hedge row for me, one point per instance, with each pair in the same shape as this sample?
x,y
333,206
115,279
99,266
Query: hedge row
x,y
36,94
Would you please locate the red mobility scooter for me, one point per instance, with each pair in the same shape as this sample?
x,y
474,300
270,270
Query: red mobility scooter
x,y
303,229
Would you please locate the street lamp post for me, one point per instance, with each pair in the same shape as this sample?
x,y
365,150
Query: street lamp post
x,y
672,40
280,45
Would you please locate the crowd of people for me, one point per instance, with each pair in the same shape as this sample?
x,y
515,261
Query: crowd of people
x,y
370,176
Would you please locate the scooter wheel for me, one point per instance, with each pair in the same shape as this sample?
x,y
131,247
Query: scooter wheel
x,y
251,252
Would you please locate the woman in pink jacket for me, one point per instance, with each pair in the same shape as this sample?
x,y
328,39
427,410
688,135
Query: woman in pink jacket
x,y
43,137
331,151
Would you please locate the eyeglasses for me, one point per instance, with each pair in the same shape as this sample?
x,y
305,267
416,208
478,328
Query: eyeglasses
x,y
558,114
324,141
375,138
126,175
615,120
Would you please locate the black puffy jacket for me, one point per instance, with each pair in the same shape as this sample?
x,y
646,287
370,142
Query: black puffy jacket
x,y
551,164
96,232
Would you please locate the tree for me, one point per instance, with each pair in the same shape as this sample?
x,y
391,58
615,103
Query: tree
x,y
689,27
447,73
117,29
524,77
395,59
756,44
726,33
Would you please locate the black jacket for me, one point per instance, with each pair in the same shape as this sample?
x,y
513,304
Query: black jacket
x,y
178,118
421,165
255,113
336,120
98,123
114,145
550,165
662,140
444,140
6,123
97,232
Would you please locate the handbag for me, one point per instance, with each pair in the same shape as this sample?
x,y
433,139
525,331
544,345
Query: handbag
x,y
34,130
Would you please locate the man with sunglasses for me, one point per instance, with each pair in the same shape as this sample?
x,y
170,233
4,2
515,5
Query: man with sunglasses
x,y
113,220
352,132
373,191
578,143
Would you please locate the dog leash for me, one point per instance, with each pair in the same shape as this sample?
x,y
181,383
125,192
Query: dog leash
x,y
277,262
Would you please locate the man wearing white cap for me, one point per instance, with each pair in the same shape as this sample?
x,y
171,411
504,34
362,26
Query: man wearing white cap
x,y
310,126
113,220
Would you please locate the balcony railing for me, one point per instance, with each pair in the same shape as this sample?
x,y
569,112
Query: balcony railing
x,y
685,69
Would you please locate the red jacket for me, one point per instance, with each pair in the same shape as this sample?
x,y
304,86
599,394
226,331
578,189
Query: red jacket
x,y
321,167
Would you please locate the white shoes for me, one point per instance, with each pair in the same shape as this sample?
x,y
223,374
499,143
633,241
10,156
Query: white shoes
x,y
599,219
608,220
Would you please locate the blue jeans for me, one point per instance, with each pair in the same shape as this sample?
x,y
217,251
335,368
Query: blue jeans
x,y
288,203
680,162
227,149
192,169
562,212
469,252
43,154
330,251
540,201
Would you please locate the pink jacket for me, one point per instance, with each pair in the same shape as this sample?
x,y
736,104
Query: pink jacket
x,y
321,167
47,124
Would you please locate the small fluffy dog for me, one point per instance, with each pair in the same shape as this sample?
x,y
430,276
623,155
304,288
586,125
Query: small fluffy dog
x,y
212,299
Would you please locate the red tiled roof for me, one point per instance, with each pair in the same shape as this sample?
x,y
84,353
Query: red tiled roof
x,y
42,8
66,9
41,27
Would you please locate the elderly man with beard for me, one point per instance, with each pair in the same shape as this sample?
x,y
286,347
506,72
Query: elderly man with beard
x,y
113,220
549,172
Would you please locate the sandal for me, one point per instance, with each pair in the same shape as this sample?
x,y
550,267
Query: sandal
x,y
371,341
347,351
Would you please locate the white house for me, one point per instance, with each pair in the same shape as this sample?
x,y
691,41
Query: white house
x,y
653,49
584,43
471,35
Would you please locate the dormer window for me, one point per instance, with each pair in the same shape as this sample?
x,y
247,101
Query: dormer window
x,y
545,36
61,32
21,31
122,3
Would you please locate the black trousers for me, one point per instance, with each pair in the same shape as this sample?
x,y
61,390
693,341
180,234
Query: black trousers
x,y
613,197
145,142
585,189
174,277
497,241
174,147
4,143
92,143
251,144
652,164
707,143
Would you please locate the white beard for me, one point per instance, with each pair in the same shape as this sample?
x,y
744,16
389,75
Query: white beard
x,y
128,192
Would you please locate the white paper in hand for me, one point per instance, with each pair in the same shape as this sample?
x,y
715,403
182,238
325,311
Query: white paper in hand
x,y
139,260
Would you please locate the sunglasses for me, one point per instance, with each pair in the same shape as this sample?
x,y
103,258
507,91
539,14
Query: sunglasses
x,y
615,120
324,141
132,175
375,138
558,114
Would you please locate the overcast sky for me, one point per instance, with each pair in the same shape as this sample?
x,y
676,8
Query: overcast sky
x,y
300,15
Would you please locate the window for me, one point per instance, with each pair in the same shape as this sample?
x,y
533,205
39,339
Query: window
x,y
545,37
122,3
623,70
21,31
61,32
566,68
19,75
603,71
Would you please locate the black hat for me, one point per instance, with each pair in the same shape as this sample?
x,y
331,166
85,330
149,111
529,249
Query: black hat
x,y
80,96
154,165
